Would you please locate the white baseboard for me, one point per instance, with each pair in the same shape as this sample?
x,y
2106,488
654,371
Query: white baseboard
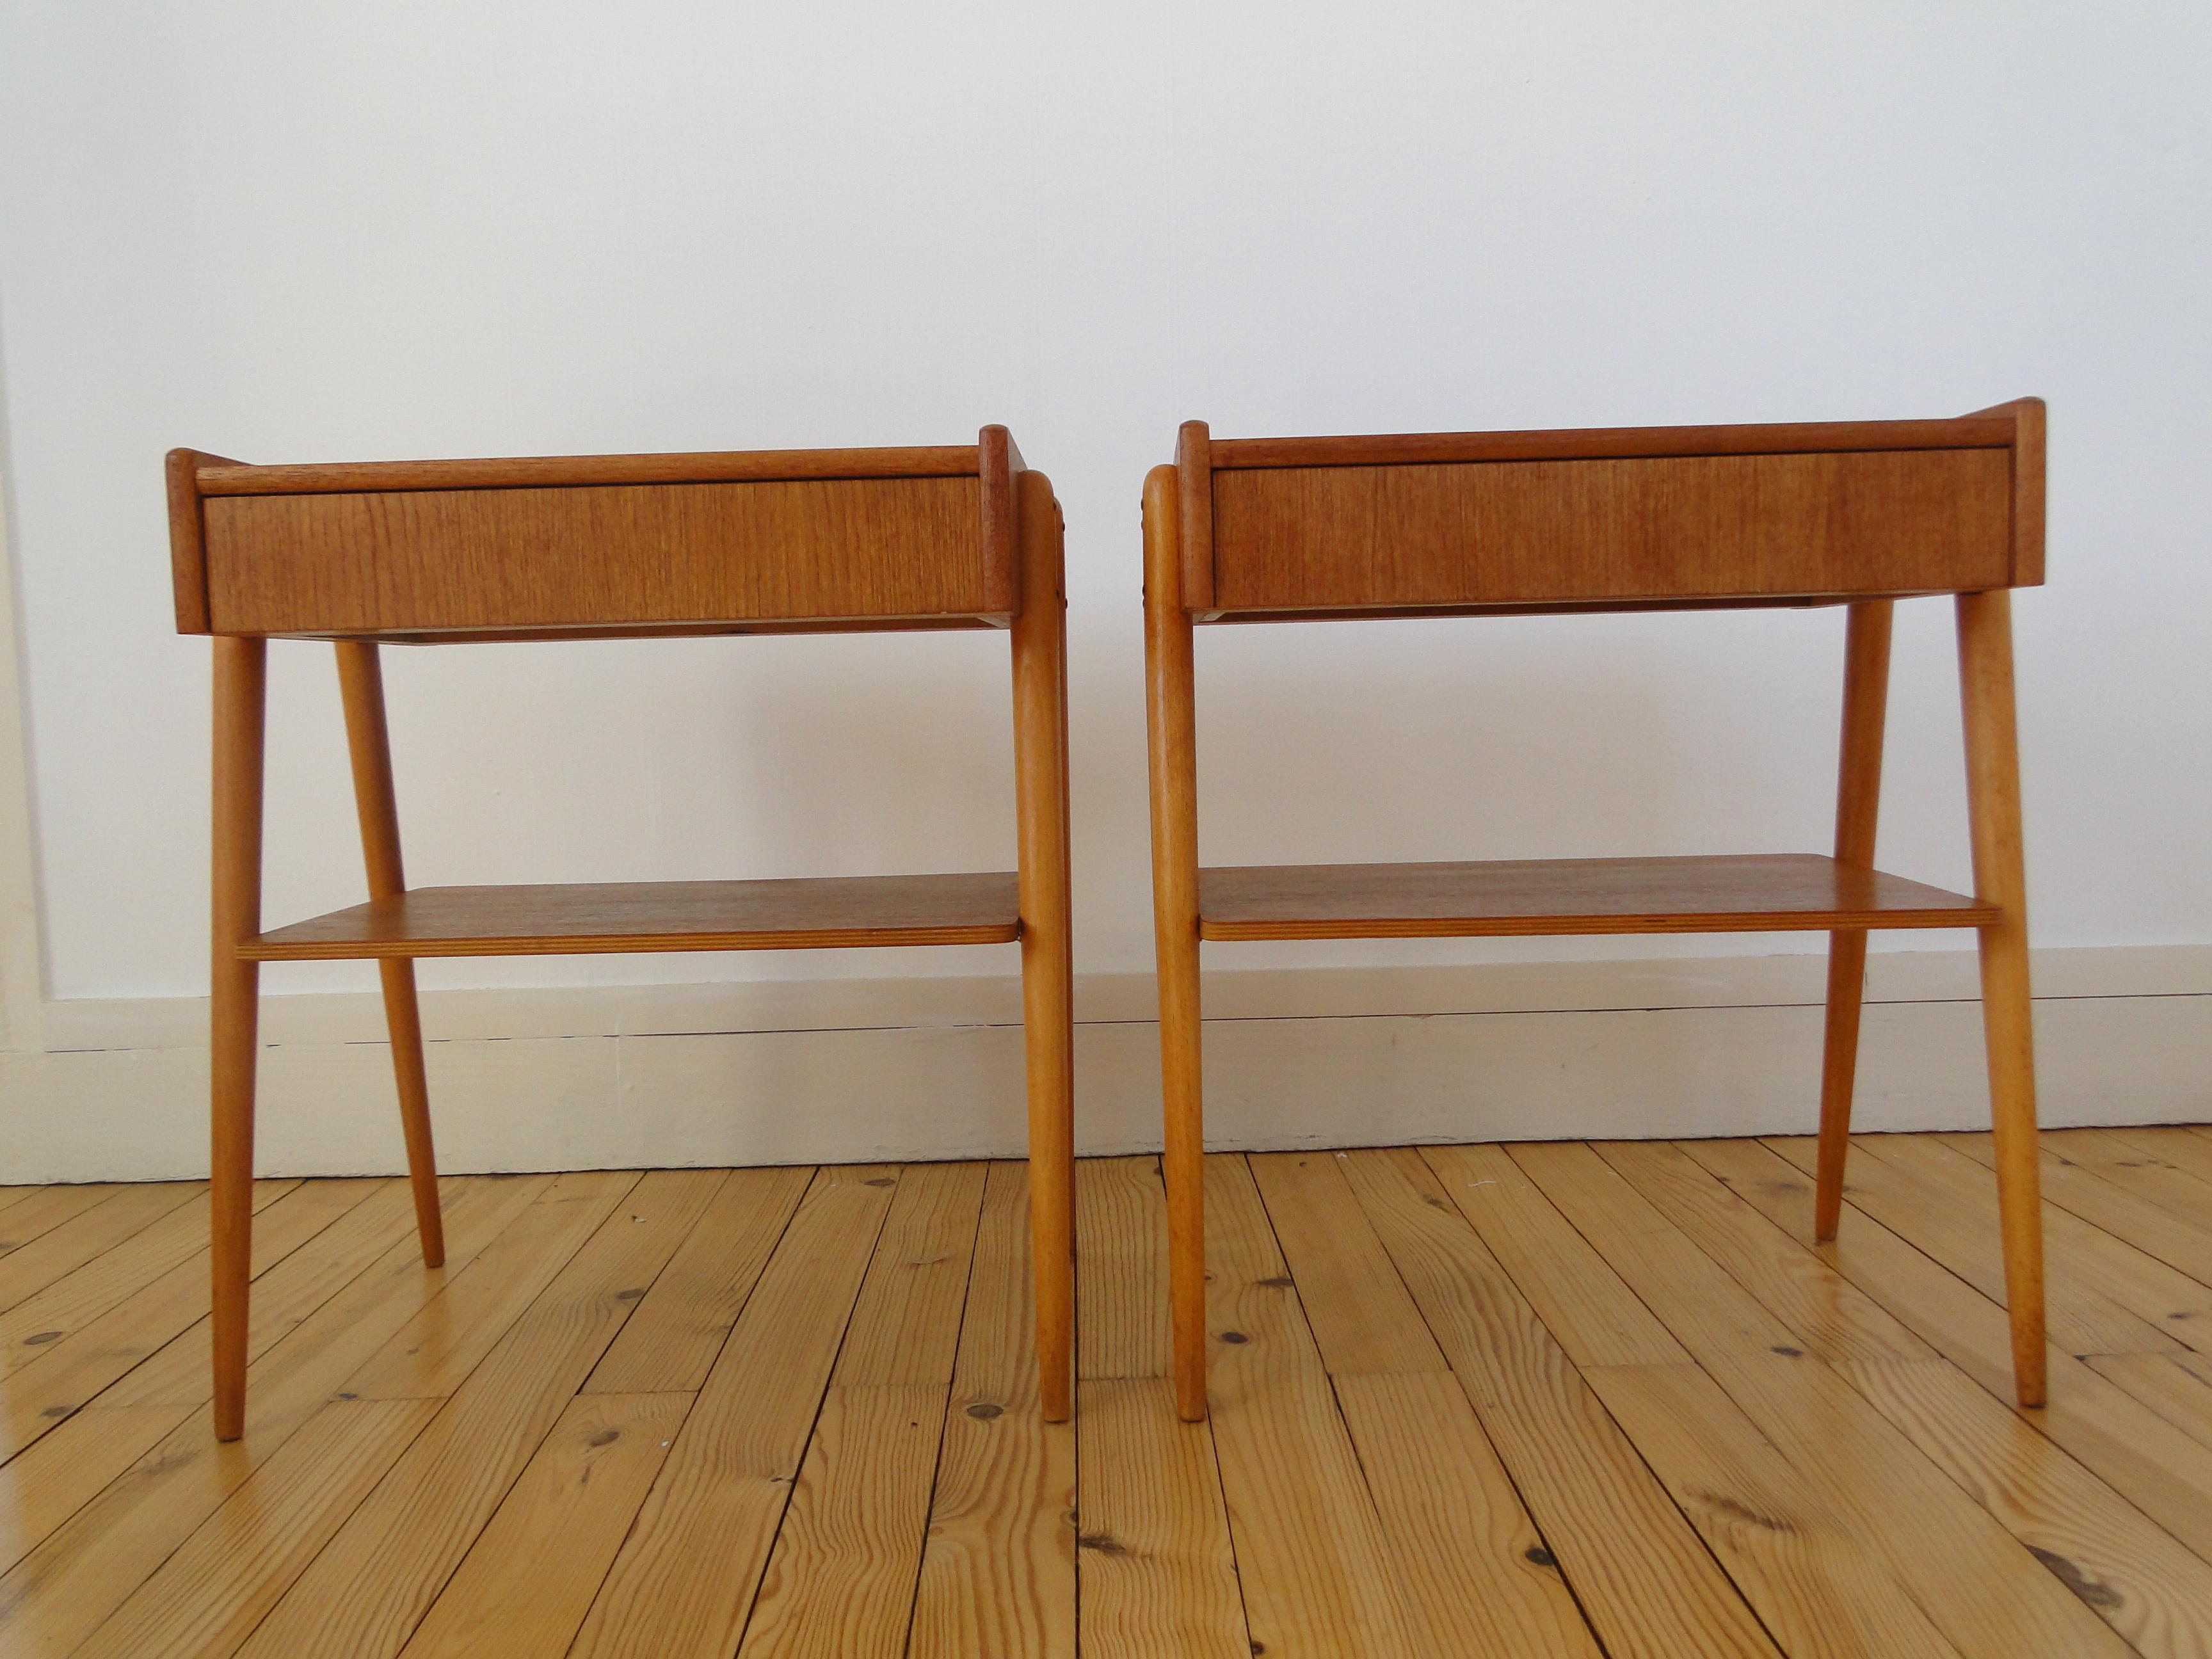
x,y
849,1070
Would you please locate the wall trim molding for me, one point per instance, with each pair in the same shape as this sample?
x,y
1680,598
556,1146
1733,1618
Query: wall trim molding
x,y
770,1072
709,1007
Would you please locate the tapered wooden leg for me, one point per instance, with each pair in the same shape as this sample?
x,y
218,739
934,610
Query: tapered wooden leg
x,y
240,697
1169,701
360,682
1040,653
1985,680
1859,791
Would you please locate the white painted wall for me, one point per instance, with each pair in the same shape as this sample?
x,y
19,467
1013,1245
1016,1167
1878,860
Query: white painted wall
x,y
297,232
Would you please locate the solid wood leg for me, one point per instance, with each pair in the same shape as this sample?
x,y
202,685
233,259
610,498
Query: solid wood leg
x,y
1040,639
360,683
1170,706
241,698
1859,791
403,1018
1986,680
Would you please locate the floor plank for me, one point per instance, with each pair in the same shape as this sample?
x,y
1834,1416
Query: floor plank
x,y
36,1210
906,1324
1830,1315
2176,1386
1821,1591
1447,1507
2149,1587
1155,1564
1588,1311
998,1567
1317,1576
670,1341
1476,1569
309,1275
2186,1148
1644,1579
74,1300
451,1336
1120,1305
2135,1161
2080,1318
527,1581
1159,1574
683,1581
11,1196
56,1478
840,1580
1363,1320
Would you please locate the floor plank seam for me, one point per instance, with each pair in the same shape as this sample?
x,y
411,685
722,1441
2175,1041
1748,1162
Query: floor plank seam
x,y
1075,1380
637,1514
1221,1480
951,1404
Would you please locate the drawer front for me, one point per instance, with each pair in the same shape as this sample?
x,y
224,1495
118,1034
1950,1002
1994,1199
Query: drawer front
x,y
463,559
1594,531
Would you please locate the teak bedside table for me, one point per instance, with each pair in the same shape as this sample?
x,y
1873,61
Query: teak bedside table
x,y
1478,524
606,547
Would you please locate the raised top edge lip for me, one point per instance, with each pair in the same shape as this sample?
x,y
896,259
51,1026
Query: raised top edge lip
x,y
1977,431
522,472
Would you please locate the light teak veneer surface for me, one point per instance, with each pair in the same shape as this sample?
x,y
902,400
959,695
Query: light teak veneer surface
x,y
375,562
1611,529
1773,892
977,909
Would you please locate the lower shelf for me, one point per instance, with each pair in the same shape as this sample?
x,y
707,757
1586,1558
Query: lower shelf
x,y
658,915
1782,892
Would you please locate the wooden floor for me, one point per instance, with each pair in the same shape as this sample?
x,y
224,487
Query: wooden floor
x,y
1536,1400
